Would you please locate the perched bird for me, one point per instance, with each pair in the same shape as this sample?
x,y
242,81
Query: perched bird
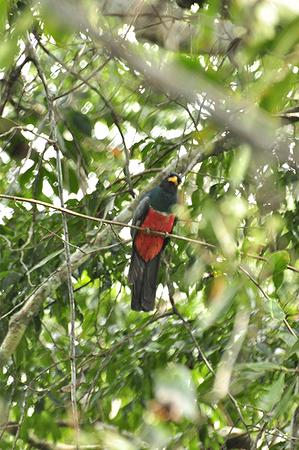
x,y
154,212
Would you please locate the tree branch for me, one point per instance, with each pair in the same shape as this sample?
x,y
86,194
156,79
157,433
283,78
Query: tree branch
x,y
245,121
124,224
9,83
52,120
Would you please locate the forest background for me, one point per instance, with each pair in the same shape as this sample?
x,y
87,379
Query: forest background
x,y
98,101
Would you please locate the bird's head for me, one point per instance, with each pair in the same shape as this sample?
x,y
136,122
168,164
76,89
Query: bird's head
x,y
171,182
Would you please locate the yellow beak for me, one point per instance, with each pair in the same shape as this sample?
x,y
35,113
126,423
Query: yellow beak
x,y
173,179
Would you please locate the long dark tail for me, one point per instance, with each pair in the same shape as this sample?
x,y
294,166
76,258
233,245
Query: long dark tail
x,y
143,277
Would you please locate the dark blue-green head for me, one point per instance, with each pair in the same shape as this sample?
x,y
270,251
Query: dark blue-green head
x,y
164,196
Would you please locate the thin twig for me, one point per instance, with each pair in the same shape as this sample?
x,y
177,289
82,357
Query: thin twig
x,y
52,120
78,86
23,128
22,418
251,278
123,224
52,233
107,104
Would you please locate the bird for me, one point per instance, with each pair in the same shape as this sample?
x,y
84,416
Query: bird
x,y
153,212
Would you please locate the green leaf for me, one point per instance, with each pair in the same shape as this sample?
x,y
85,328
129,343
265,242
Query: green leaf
x,y
276,263
274,98
214,6
293,350
6,125
9,47
80,122
260,367
288,37
45,260
38,182
274,308
286,401
272,394
58,29
17,146
3,14
278,278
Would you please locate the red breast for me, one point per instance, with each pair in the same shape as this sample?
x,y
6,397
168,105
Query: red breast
x,y
147,245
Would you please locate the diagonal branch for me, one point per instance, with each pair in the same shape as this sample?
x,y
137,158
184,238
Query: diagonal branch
x,y
245,121
10,82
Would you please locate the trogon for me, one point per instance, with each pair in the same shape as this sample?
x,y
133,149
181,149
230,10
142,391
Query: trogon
x,y
153,212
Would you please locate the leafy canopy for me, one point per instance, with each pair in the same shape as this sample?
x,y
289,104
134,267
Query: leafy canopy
x,y
221,360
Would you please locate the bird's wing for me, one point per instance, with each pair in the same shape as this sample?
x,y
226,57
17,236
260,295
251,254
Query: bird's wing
x,y
140,213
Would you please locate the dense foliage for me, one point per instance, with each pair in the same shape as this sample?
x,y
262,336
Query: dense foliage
x,y
216,366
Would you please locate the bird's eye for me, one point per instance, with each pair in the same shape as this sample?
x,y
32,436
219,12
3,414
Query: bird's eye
x,y
173,179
